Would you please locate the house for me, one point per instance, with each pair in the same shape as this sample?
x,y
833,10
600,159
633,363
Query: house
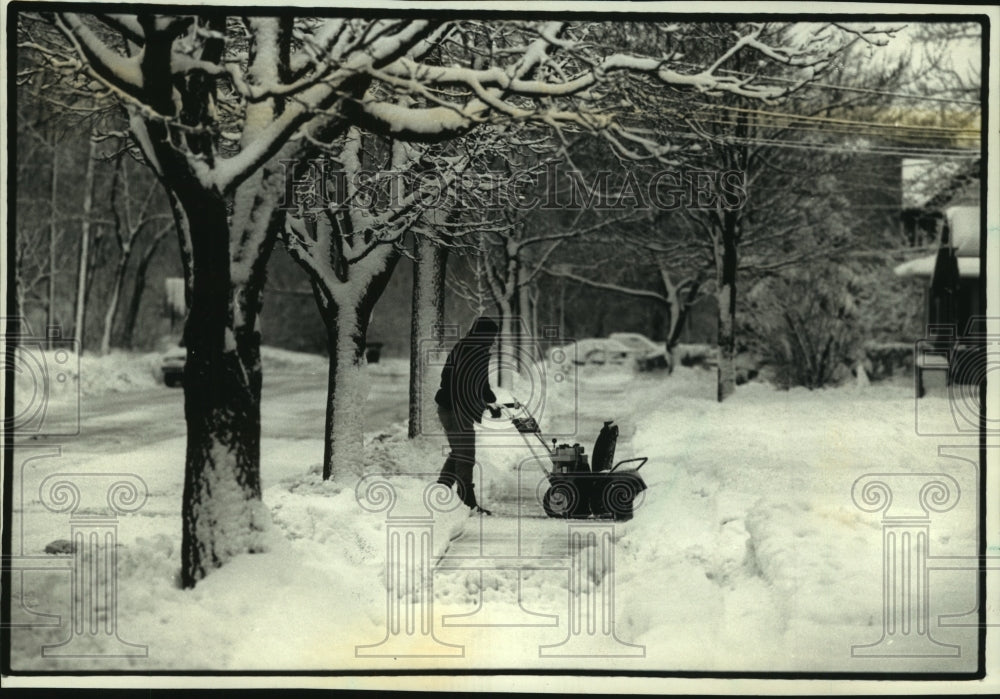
x,y
953,295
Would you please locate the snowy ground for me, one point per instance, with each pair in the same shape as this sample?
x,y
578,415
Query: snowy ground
x,y
747,551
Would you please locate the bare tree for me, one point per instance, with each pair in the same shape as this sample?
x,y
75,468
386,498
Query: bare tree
x,y
430,260
128,225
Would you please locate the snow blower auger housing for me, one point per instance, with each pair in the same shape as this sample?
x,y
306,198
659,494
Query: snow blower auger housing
x,y
580,489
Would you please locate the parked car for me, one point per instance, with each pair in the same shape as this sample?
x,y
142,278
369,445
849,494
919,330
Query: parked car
x,y
172,366
597,351
638,344
373,352
648,355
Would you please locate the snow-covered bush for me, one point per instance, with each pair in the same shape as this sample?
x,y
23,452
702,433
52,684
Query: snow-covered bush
x,y
804,324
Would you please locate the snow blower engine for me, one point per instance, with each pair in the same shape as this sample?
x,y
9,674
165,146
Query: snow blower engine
x,y
577,488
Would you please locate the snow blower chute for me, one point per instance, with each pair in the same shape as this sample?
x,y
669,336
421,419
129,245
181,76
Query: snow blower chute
x,y
579,489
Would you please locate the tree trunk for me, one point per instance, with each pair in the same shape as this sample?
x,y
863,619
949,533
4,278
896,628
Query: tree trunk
x,y
81,277
674,319
50,307
96,242
525,333
225,241
534,318
222,510
726,296
346,322
562,308
138,289
116,292
678,307
426,319
346,394
504,346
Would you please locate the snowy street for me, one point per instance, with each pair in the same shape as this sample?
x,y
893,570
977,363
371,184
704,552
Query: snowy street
x,y
120,421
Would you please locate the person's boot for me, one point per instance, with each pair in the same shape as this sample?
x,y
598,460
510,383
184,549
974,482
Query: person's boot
x,y
469,498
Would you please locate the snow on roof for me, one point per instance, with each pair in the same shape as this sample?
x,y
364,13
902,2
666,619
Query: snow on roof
x,y
964,224
968,267
920,267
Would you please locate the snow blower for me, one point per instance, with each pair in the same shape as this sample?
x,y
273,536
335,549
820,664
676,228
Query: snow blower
x,y
579,489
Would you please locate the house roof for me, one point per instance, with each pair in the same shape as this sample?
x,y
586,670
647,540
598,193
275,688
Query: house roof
x,y
968,267
963,223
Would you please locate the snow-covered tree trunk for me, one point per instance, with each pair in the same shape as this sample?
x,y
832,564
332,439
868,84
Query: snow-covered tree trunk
x,y
221,405
225,244
222,510
346,308
534,317
426,319
674,311
726,383
347,389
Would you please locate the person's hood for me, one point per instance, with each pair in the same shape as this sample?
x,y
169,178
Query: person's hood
x,y
485,328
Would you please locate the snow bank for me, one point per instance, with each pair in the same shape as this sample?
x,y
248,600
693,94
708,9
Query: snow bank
x,y
277,359
749,529
66,375
389,366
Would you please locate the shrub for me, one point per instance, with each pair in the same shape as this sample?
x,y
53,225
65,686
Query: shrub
x,y
804,324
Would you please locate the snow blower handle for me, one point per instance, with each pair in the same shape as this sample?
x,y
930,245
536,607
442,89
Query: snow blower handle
x,y
643,459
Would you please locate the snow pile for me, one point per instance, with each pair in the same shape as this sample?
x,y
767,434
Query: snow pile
x,y
119,372
390,367
64,375
753,536
277,359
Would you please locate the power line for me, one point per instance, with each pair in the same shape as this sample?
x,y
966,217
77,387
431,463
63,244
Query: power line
x,y
843,88
928,139
846,131
944,153
912,133
834,120
875,150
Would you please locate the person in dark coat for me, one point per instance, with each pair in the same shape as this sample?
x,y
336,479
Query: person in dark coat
x,y
464,394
